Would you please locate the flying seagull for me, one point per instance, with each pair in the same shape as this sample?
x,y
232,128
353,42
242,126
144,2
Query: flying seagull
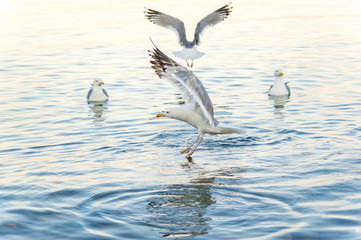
x,y
279,87
190,51
97,93
198,108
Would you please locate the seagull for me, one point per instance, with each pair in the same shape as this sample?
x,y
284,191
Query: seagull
x,y
190,47
279,87
97,93
198,108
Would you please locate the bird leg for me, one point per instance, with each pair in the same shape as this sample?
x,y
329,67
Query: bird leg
x,y
185,150
187,63
189,147
192,63
194,149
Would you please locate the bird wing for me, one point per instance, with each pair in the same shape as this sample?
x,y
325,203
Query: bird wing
x,y
187,83
167,21
211,19
89,93
105,92
288,89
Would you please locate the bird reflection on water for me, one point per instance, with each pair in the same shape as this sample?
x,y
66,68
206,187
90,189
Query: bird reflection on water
x,y
279,101
179,209
98,110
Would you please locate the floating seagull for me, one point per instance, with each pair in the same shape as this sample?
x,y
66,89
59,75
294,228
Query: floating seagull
x,y
190,51
279,87
97,93
198,108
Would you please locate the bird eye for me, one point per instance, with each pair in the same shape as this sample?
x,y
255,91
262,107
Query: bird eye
x,y
167,111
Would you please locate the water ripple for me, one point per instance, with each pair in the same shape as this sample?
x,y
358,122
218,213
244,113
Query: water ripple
x,y
73,170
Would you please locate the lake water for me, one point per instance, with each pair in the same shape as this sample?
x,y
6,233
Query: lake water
x,y
72,170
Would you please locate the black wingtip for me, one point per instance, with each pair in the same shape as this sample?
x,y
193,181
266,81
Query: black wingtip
x,y
157,52
149,13
160,61
226,10
157,60
150,38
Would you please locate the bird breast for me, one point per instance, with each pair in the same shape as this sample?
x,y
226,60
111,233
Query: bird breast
x,y
97,94
278,88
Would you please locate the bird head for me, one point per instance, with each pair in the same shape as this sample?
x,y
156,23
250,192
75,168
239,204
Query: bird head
x,y
278,73
98,82
164,114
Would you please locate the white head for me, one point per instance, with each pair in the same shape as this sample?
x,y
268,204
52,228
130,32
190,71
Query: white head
x,y
179,113
164,114
278,73
98,82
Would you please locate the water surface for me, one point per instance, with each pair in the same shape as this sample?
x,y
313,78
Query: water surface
x,y
72,170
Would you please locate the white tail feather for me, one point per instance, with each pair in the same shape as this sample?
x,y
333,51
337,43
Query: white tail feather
x,y
189,54
224,129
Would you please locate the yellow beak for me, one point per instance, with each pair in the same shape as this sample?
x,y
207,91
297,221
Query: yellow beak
x,y
160,115
102,83
281,74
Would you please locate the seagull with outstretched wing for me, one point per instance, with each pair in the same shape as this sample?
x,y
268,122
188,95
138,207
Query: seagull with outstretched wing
x,y
190,51
198,108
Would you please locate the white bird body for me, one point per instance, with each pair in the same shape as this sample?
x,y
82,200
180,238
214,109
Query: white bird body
x,y
97,93
192,114
198,110
279,87
189,53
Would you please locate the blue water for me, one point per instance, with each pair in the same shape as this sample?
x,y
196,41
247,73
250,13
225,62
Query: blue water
x,y
72,170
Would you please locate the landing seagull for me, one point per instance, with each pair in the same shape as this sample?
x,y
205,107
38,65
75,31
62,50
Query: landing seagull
x,y
97,93
190,51
279,87
198,108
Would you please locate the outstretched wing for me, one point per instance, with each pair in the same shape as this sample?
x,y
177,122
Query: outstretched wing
x,y
211,19
167,21
188,84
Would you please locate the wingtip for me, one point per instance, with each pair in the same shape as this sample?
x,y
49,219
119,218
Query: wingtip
x,y
150,38
156,62
230,7
155,51
146,11
225,10
160,62
149,13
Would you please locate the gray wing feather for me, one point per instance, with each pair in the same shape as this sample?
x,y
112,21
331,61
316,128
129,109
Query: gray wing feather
x,y
160,64
105,92
212,19
195,87
288,89
167,21
89,93
186,95
188,84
